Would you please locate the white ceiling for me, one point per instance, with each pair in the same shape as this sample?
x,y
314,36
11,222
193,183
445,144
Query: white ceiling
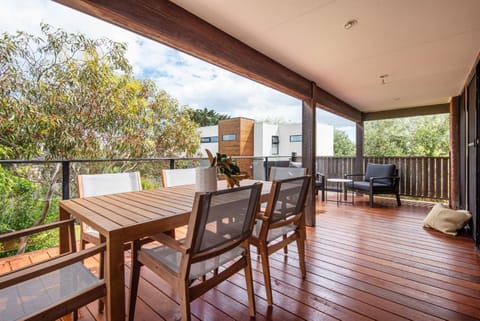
x,y
427,47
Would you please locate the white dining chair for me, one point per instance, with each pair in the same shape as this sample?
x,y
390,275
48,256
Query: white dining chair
x,y
176,177
277,173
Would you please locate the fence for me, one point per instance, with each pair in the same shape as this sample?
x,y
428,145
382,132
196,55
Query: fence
x,y
424,177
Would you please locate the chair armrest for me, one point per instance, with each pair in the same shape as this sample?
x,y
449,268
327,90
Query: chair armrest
x,y
353,175
393,178
42,268
261,216
35,229
170,242
320,177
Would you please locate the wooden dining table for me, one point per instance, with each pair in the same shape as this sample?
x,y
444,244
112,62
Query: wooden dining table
x,y
125,217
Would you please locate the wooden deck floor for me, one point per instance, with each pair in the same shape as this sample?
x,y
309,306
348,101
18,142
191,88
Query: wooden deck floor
x,y
362,264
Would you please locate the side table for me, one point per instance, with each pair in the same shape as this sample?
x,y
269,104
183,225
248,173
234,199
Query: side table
x,y
341,188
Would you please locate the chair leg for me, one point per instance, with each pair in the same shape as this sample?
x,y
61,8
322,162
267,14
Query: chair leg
x,y
249,283
185,302
323,194
134,280
371,198
398,200
301,253
285,248
266,274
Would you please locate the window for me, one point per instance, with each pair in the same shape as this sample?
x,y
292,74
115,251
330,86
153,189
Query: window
x,y
212,139
275,142
229,137
295,138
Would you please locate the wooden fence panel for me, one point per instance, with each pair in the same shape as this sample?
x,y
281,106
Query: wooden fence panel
x,y
445,178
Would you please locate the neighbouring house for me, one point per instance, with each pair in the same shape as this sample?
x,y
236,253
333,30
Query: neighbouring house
x,y
234,137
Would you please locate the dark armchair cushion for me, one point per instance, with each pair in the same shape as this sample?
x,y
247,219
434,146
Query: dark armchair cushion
x,y
380,170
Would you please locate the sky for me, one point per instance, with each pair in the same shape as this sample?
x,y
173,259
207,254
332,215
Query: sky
x,y
191,81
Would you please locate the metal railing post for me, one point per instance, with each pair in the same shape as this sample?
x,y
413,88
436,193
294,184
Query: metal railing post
x,y
266,168
65,180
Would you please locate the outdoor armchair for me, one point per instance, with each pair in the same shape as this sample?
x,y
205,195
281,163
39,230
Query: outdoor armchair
x,y
52,288
378,179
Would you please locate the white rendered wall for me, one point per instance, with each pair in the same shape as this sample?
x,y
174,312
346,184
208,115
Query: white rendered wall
x,y
263,138
208,131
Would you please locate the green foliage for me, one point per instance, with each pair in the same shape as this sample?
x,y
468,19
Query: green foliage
x,y
20,202
413,136
205,117
64,96
342,145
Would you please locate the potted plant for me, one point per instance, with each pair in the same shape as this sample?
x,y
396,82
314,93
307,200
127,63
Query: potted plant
x,y
227,167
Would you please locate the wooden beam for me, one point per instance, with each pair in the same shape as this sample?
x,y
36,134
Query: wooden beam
x,y
165,22
309,159
337,106
408,112
455,152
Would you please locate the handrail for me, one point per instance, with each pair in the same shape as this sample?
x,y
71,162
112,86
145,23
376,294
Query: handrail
x,y
420,176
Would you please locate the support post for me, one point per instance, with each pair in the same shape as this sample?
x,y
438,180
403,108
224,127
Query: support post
x,y
309,153
454,200
358,166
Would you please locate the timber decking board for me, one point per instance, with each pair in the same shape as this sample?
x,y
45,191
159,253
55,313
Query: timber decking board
x,y
362,264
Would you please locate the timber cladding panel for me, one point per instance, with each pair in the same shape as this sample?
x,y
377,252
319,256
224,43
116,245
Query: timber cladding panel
x,y
235,138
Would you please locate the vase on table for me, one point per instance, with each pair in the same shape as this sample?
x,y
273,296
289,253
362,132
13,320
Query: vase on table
x,y
206,179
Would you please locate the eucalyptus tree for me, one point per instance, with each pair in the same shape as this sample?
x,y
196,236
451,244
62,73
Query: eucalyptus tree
x,y
206,117
412,136
64,96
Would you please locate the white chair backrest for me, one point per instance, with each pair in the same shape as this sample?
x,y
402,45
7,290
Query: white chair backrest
x,y
277,173
103,184
175,177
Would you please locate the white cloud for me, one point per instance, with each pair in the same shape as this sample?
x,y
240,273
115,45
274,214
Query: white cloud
x,y
193,82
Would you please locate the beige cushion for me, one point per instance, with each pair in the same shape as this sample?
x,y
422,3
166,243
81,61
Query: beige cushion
x,y
446,220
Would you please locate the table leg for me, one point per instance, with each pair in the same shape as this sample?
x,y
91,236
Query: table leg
x,y
63,234
115,278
